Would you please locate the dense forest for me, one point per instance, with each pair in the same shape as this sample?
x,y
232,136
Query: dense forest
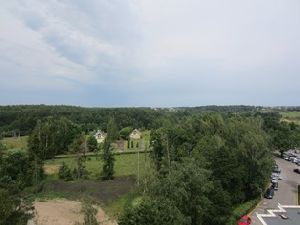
x,y
204,163
21,119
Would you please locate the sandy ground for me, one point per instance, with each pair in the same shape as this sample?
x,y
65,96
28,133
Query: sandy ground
x,y
64,212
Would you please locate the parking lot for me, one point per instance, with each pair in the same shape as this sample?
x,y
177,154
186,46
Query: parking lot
x,y
287,193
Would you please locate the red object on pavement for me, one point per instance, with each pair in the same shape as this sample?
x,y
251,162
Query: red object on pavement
x,y
244,220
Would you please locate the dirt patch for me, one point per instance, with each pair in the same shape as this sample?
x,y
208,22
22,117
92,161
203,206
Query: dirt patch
x,y
51,169
101,191
64,212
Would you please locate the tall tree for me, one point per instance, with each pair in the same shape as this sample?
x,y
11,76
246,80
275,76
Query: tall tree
x,y
108,161
112,130
79,147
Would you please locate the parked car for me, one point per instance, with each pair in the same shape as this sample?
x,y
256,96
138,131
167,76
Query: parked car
x,y
244,220
274,180
277,170
275,186
276,176
297,171
269,193
296,160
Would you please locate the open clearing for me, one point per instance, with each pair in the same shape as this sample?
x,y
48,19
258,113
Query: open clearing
x,y
15,143
291,117
125,165
64,212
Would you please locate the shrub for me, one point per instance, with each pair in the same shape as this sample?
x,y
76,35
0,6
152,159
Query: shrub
x,y
64,172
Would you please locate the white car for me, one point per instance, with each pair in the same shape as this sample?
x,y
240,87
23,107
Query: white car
x,y
274,180
296,160
276,176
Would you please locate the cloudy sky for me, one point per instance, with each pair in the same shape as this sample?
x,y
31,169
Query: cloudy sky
x,y
150,52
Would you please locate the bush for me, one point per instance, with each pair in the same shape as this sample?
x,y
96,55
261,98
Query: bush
x,y
64,172
241,210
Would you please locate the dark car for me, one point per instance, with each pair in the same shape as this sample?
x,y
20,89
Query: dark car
x,y
275,186
297,171
276,170
269,193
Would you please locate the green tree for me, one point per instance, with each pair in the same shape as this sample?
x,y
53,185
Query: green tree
x,y
125,132
7,206
112,130
108,161
153,211
92,143
282,138
79,147
52,136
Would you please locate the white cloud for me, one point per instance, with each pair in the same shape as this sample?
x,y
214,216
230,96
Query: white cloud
x,y
195,49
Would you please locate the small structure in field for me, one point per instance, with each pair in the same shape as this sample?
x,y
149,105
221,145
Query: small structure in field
x,y
100,136
135,134
120,145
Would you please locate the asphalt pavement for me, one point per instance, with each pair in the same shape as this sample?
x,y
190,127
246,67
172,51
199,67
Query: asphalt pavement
x,y
287,193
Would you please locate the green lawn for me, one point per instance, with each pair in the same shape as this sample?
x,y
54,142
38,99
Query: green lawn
x,y
125,164
13,143
291,117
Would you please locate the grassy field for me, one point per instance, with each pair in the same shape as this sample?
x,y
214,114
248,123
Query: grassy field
x,y
291,117
14,143
125,164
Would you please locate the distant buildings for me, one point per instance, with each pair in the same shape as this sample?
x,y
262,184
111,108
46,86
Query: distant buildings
x,y
100,136
135,134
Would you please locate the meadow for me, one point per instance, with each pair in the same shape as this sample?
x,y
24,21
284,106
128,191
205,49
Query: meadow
x,y
125,165
15,143
291,117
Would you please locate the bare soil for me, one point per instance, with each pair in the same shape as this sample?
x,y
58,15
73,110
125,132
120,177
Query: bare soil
x,y
64,212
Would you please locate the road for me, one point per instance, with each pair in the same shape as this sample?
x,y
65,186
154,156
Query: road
x,y
287,193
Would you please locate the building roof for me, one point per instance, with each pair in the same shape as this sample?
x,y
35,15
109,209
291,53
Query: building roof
x,y
274,215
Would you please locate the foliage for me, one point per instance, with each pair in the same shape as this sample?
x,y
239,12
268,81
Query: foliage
x,y
79,147
125,132
112,130
92,144
154,212
7,205
51,137
65,172
17,171
108,162
242,209
207,164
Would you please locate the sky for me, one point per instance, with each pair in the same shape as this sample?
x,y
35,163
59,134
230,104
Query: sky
x,y
124,53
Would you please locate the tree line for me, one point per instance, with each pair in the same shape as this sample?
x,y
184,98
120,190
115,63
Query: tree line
x,y
21,119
